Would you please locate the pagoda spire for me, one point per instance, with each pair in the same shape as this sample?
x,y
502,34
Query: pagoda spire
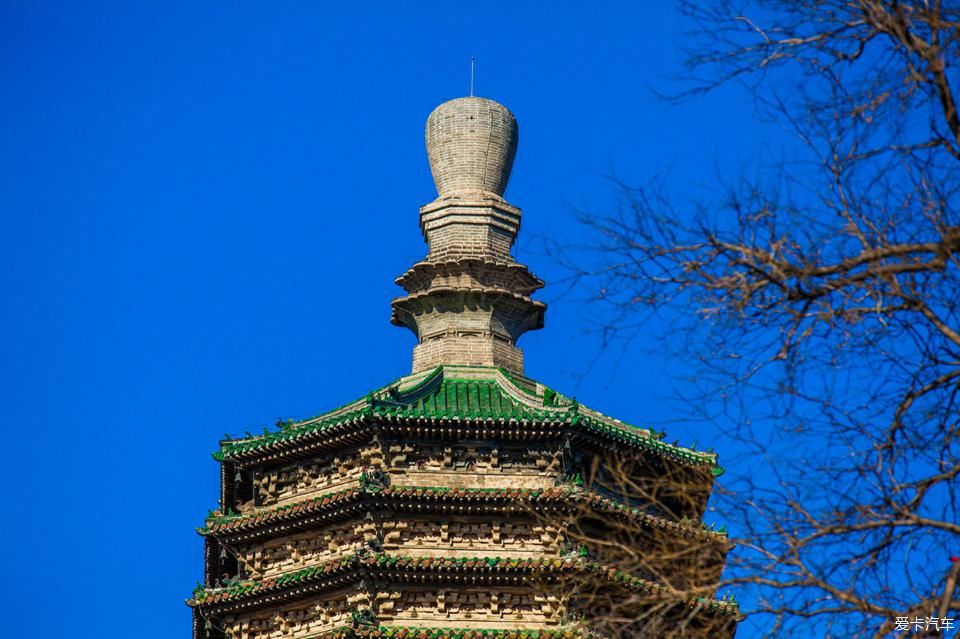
x,y
469,301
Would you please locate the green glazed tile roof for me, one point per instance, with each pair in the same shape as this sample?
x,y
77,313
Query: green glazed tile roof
x,y
452,394
227,524
421,632
465,398
250,587
471,565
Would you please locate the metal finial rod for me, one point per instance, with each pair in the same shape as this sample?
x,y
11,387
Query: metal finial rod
x,y
473,62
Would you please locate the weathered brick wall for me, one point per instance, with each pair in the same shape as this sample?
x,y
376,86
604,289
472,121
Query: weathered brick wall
x,y
473,466
471,537
479,349
295,622
297,482
410,464
276,556
470,240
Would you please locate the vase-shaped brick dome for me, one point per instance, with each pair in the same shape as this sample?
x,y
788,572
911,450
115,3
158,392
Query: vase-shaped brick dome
x,y
471,143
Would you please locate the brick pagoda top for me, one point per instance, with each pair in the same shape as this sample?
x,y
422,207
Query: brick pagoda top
x,y
469,302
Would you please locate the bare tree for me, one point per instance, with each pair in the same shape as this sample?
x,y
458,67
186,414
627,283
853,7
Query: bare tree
x,y
820,302
655,567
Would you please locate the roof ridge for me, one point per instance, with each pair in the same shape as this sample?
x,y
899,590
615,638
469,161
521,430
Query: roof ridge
x,y
541,402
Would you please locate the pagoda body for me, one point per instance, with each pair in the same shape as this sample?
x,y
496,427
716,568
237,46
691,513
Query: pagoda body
x,y
464,500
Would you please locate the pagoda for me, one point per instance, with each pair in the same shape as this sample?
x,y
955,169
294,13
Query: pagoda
x,y
464,500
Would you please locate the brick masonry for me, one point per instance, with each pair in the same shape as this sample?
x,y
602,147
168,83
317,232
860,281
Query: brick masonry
x,y
471,144
473,310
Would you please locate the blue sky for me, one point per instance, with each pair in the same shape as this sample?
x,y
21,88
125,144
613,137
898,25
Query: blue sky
x,y
204,208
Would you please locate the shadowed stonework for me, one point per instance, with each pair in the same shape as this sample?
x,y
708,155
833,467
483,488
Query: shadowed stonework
x,y
464,500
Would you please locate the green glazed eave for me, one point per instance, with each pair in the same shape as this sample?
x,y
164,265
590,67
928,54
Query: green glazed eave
x,y
476,393
348,563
